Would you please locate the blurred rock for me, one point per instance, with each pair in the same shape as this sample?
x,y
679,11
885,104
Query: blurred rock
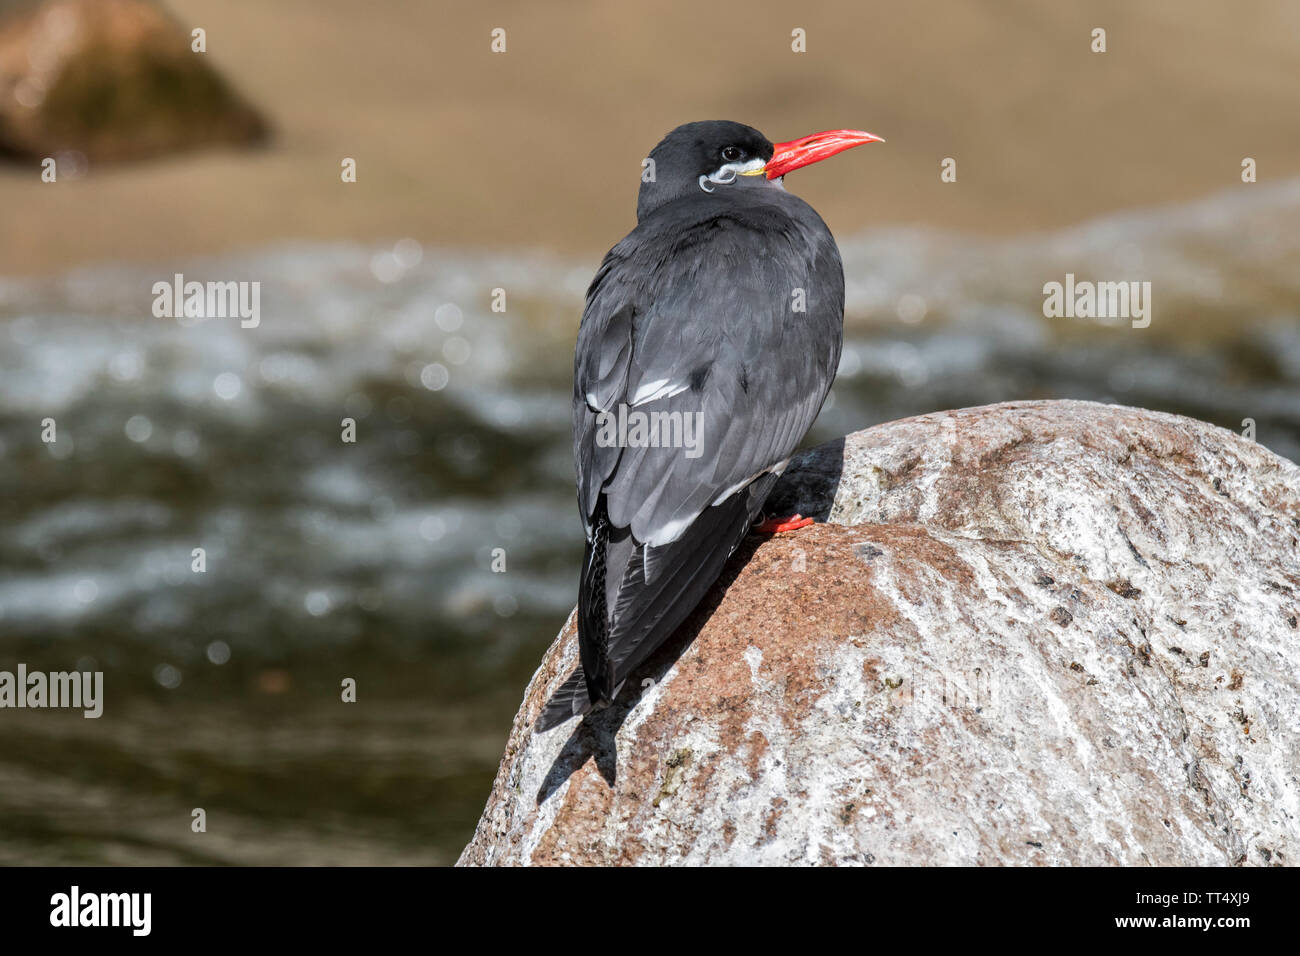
x,y
1032,633
110,80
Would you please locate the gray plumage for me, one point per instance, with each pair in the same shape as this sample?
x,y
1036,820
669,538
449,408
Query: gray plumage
x,y
696,310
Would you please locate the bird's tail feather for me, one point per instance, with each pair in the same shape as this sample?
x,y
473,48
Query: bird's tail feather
x,y
593,610
570,700
645,613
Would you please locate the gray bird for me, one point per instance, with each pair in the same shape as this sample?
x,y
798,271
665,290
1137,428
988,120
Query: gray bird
x,y
716,324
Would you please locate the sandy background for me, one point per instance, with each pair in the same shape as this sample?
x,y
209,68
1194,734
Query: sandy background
x,y
541,146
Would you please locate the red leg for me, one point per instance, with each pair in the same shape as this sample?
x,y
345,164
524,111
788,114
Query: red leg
x,y
777,525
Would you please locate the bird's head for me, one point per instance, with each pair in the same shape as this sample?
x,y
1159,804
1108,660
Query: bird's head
x,y
719,154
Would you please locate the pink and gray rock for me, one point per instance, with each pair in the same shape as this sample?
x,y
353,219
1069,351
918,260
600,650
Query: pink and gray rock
x,y
1032,633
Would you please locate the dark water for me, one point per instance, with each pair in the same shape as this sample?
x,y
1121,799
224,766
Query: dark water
x,y
372,560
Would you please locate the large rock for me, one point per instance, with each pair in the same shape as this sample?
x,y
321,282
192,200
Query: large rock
x,y
1044,632
109,80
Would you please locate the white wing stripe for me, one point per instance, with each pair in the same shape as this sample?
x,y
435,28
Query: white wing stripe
x,y
660,388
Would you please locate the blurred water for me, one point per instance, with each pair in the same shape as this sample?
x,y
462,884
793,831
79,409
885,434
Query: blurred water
x,y
373,560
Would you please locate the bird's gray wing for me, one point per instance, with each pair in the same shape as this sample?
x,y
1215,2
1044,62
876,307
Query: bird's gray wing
x,y
735,324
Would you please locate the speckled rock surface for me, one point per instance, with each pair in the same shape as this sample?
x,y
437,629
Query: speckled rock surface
x,y
1033,633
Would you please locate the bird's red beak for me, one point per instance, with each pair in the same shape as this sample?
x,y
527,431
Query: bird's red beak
x,y
814,148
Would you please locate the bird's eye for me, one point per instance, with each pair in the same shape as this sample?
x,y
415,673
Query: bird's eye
x,y
731,153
